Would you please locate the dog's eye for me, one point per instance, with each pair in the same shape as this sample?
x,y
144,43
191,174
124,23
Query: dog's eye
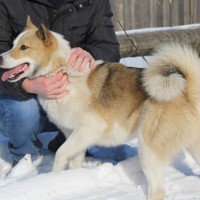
x,y
23,47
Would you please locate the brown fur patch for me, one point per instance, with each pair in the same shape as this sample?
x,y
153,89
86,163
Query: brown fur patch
x,y
117,89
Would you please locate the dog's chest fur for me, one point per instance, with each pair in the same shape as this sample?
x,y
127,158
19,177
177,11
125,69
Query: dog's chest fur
x,y
68,111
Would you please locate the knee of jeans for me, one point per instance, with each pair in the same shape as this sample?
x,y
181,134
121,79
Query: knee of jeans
x,y
18,109
17,115
4,116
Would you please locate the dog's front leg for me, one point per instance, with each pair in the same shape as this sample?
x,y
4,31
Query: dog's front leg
x,y
76,145
77,161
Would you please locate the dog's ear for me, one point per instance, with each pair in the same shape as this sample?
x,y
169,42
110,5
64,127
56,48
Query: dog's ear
x,y
29,23
44,34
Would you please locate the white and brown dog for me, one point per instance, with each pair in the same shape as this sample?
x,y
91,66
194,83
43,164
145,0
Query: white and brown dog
x,y
112,103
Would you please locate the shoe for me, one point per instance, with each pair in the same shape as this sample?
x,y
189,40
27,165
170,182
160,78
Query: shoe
x,y
25,167
56,142
33,158
15,162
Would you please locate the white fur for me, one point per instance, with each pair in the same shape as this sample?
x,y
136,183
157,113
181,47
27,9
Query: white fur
x,y
166,88
153,169
117,136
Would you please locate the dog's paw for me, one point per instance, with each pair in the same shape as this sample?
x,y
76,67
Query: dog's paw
x,y
59,164
57,167
157,195
92,163
75,163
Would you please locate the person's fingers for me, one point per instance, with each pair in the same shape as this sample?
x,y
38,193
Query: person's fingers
x,y
56,77
92,63
76,52
58,96
80,59
59,91
84,64
87,62
59,83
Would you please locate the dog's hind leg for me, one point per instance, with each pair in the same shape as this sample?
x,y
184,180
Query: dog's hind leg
x,y
153,168
80,140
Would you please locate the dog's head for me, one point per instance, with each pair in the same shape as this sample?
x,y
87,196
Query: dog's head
x,y
35,52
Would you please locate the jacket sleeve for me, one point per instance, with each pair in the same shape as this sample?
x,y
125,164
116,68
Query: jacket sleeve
x,y
6,38
6,32
101,40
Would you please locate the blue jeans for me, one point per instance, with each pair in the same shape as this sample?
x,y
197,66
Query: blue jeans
x,y
21,122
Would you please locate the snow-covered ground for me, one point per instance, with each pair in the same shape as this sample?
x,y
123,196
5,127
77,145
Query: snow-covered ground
x,y
100,179
115,174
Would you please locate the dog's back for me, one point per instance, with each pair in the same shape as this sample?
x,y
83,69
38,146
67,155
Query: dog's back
x,y
117,94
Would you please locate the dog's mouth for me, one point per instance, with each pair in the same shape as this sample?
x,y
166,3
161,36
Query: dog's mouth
x,y
15,72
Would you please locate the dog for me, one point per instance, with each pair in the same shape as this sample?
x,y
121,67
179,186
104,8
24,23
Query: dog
x,y
112,103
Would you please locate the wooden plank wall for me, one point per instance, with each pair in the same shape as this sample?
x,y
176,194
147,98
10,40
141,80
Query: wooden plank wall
x,y
136,14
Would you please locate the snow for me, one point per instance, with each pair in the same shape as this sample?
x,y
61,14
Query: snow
x,y
113,174
147,30
100,179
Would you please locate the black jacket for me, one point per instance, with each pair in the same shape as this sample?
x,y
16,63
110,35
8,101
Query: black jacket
x,y
84,23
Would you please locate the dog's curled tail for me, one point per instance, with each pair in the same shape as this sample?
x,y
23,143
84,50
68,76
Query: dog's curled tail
x,y
174,71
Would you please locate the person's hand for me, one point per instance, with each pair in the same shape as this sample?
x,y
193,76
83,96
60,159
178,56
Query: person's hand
x,y
54,87
79,59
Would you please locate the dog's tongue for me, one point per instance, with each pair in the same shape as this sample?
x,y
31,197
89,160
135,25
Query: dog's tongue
x,y
13,72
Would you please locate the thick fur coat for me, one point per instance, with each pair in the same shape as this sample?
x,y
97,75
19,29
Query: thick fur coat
x,y
113,103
